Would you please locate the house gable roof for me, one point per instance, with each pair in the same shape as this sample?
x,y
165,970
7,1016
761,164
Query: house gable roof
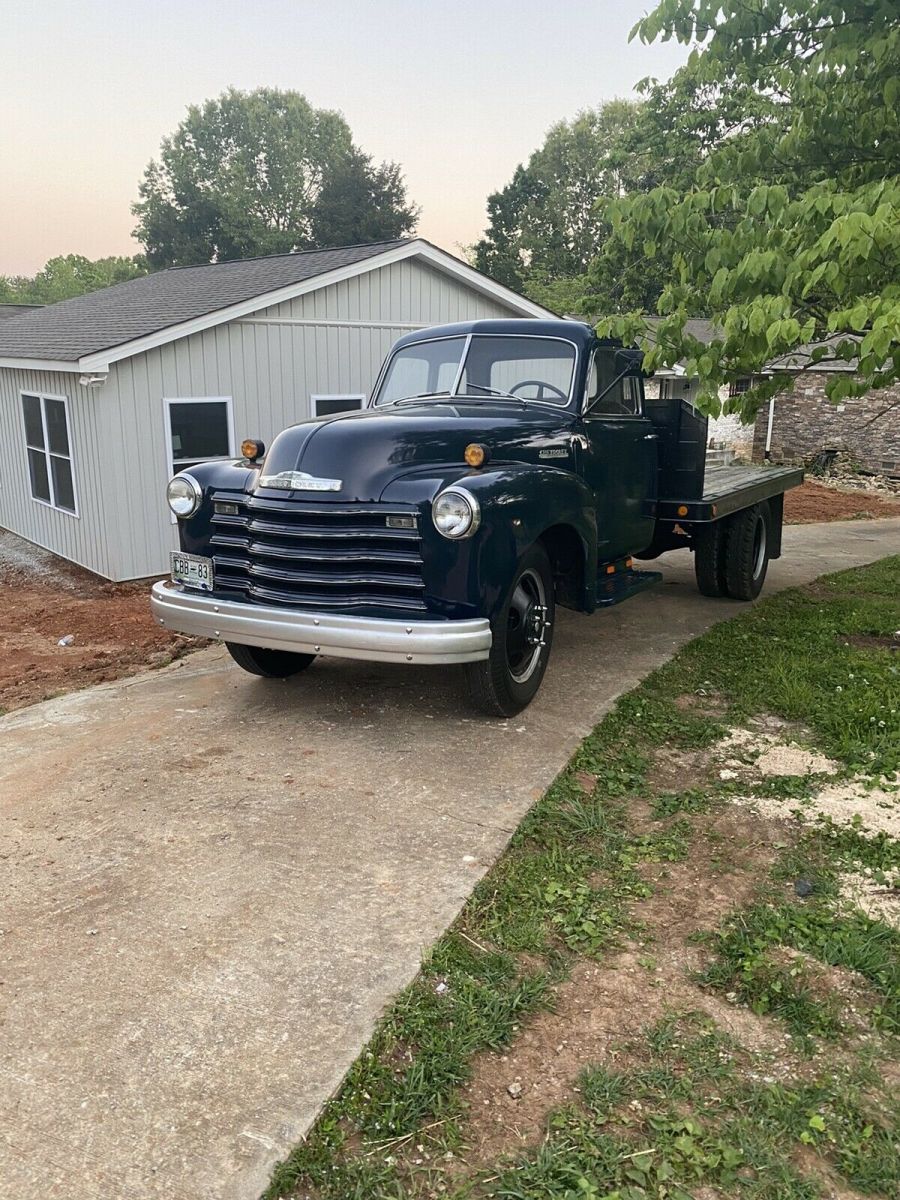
x,y
801,360
90,331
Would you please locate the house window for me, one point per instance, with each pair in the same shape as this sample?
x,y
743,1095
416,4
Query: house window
x,y
739,386
48,445
198,430
327,406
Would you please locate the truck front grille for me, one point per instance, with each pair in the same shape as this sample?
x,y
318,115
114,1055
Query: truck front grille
x,y
329,556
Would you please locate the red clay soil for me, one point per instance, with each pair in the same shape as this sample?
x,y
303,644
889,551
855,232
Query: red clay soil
x,y
814,502
43,599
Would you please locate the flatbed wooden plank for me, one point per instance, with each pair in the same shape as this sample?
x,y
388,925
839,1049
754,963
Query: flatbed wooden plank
x,y
720,480
729,489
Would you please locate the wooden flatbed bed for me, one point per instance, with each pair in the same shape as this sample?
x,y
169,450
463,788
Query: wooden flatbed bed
x,y
727,490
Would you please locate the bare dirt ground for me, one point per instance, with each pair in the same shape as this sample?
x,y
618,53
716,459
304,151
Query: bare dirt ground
x,y
603,1004
44,599
602,1010
819,502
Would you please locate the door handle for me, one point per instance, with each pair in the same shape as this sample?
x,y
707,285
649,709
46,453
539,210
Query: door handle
x,y
650,437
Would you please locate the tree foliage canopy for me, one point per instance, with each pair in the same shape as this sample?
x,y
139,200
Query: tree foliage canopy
x,y
542,227
789,232
67,276
264,172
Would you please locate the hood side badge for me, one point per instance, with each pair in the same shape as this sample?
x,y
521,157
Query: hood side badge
x,y
300,481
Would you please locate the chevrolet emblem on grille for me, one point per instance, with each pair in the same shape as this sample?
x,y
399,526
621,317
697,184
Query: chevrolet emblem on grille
x,y
300,481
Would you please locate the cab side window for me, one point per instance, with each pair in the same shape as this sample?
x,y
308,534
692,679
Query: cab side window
x,y
631,397
623,399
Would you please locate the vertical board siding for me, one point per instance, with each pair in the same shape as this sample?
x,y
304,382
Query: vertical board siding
x,y
93,430
269,370
407,292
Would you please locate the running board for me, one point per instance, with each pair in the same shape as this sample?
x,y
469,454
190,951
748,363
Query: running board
x,y
614,587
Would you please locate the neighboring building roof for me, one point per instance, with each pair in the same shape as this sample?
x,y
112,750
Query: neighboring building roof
x,y
92,330
801,359
16,310
705,330
701,328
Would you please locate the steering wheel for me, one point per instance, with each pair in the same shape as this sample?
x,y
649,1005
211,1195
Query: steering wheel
x,y
541,386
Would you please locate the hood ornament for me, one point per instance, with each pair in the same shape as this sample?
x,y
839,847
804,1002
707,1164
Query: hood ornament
x,y
300,481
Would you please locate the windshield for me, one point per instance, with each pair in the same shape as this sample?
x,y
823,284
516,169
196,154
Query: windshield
x,y
524,368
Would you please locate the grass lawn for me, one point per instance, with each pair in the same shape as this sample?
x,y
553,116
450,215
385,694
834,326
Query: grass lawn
x,y
662,988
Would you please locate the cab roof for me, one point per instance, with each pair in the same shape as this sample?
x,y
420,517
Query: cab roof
x,y
579,332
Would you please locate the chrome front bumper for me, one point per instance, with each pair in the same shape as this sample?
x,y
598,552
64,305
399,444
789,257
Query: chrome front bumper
x,y
372,638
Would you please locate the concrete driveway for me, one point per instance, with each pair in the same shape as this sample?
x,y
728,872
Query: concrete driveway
x,y
210,885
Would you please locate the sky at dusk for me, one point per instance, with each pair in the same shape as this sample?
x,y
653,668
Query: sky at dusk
x,y
458,93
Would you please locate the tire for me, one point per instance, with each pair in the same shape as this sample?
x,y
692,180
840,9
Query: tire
x,y
747,552
709,558
272,664
508,680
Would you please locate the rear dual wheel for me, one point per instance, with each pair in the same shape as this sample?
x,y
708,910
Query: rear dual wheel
x,y
731,556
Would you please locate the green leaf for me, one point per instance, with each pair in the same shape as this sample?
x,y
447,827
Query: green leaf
x,y
756,205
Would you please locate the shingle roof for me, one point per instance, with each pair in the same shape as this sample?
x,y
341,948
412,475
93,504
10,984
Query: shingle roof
x,y
705,330
7,311
100,320
701,328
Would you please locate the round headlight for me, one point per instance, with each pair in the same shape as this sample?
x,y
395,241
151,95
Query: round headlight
x,y
456,513
184,494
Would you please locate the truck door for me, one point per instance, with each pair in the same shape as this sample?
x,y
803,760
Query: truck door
x,y
619,459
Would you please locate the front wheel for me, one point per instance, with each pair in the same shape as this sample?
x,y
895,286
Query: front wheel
x,y
505,682
272,664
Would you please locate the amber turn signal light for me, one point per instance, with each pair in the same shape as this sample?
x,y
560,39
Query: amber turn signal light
x,y
252,449
475,455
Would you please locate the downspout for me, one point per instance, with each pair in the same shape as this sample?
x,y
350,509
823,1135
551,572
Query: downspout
x,y
768,453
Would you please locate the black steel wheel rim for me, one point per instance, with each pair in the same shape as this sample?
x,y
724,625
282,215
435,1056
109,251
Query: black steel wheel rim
x,y
526,625
759,547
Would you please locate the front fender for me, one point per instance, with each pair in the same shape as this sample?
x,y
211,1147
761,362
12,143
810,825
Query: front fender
x,y
519,503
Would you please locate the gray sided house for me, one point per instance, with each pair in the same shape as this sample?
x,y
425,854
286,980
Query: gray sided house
x,y
104,397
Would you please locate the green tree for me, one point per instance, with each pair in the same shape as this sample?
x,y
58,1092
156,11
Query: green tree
x,y
69,275
789,232
543,226
243,175
675,128
360,202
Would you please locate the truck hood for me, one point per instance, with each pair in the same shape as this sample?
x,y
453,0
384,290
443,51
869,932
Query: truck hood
x,y
354,456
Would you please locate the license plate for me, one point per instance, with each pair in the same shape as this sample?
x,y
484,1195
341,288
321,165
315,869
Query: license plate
x,y
192,570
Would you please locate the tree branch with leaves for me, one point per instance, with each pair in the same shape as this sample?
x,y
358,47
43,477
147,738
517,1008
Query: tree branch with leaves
x,y
788,233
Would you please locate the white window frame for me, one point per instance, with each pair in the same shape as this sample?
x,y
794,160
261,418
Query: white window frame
x,y
316,397
739,386
47,452
167,411
168,401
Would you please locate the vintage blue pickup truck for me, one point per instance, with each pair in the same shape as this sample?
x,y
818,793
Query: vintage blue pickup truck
x,y
501,469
